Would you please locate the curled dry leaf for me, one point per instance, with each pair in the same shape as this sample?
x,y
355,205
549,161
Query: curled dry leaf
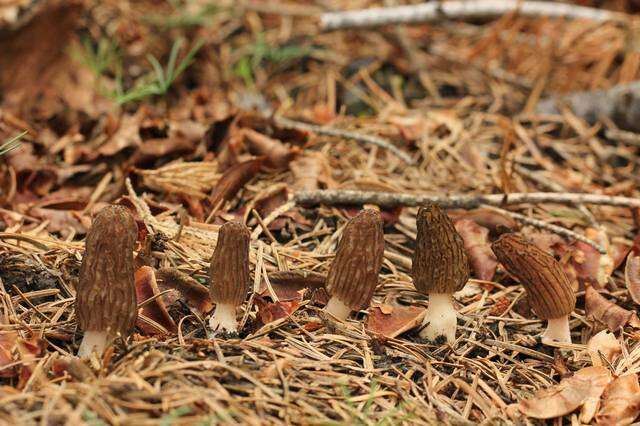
x,y
7,344
277,154
311,170
589,264
603,344
233,179
273,311
189,290
392,320
621,402
77,369
476,243
291,285
487,218
604,311
155,310
632,276
567,396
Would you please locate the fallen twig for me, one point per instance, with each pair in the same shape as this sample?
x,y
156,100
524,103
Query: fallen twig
x,y
437,11
389,200
551,227
330,131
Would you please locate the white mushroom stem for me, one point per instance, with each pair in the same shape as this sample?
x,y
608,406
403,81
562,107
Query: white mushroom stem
x,y
224,319
93,341
337,309
440,319
557,330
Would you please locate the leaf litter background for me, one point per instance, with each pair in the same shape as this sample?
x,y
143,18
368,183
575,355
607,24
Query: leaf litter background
x,y
190,150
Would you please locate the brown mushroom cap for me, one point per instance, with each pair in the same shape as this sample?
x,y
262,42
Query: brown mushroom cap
x,y
440,262
229,270
353,276
548,287
106,296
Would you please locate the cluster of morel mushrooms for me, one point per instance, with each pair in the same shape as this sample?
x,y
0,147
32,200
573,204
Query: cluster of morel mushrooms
x,y
106,299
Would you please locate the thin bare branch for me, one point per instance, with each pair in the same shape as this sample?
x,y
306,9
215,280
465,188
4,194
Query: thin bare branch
x,y
438,11
463,201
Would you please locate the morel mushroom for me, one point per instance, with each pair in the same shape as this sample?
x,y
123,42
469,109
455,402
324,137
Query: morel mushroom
x,y
440,268
106,296
229,273
353,276
548,287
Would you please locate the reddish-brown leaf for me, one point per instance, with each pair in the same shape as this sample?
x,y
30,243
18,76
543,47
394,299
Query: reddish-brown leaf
x,y
478,247
191,291
146,288
604,311
292,285
7,344
392,320
233,179
273,311
277,154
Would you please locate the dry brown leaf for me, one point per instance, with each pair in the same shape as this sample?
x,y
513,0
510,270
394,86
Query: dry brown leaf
x,y
484,217
146,288
233,179
310,170
567,396
613,316
392,320
292,285
604,343
7,344
126,136
273,311
74,366
632,276
189,289
277,154
478,247
620,402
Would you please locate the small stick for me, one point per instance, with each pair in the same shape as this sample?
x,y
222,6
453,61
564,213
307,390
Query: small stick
x,y
551,227
439,11
461,201
330,131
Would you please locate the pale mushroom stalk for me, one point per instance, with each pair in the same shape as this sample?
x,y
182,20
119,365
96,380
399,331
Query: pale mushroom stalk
x,y
353,275
229,275
440,318
224,318
557,330
336,308
440,267
93,341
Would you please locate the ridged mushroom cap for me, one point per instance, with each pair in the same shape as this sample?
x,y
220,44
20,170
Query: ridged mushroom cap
x,y
229,270
549,289
106,296
353,275
440,263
